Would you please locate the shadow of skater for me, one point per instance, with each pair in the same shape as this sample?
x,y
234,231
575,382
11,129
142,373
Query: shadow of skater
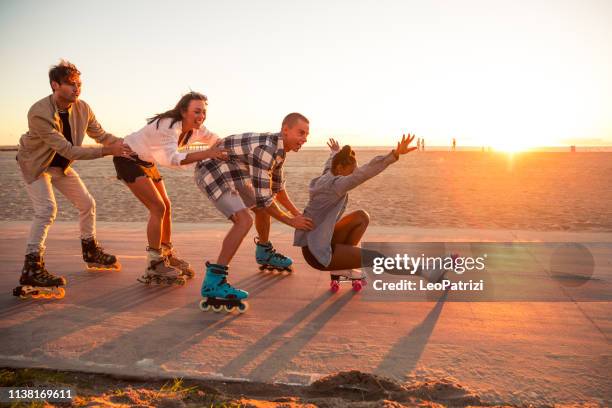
x,y
404,355
232,368
158,339
276,361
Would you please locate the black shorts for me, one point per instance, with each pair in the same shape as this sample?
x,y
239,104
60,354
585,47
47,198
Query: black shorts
x,y
129,170
367,258
312,260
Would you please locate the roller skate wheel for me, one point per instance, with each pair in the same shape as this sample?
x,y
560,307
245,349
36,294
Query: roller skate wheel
x,y
243,307
203,305
61,292
217,308
334,286
228,308
357,286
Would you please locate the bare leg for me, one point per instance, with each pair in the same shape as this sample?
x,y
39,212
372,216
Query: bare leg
x,y
262,224
242,224
166,232
350,229
144,189
345,257
347,234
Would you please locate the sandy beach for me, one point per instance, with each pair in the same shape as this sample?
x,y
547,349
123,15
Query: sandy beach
x,y
547,191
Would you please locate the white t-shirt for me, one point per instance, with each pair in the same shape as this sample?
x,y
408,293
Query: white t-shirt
x,y
159,144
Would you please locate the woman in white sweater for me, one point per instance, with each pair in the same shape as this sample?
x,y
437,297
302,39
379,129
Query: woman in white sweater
x,y
155,144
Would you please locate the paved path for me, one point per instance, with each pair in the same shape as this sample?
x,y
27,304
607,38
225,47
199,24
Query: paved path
x,y
295,330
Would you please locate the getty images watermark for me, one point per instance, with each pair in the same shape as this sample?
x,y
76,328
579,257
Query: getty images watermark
x,y
432,268
475,271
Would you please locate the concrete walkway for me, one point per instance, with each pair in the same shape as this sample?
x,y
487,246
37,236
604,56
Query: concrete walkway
x,y
296,330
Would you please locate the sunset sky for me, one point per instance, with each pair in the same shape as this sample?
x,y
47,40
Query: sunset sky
x,y
501,73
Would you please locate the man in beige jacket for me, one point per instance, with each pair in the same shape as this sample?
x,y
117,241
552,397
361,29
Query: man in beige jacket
x,y
57,125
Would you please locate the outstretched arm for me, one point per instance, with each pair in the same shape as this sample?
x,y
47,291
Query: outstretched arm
x,y
374,167
297,221
215,152
283,199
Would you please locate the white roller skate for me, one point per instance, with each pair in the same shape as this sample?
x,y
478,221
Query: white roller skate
x,y
159,270
356,276
183,266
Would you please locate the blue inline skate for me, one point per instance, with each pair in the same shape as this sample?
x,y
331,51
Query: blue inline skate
x,y
219,295
270,260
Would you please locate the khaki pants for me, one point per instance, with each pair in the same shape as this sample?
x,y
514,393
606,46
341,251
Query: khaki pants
x,y
45,208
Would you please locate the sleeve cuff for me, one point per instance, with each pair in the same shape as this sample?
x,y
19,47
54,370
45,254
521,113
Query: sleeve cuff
x,y
179,157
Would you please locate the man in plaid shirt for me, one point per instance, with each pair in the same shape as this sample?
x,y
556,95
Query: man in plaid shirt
x,y
252,178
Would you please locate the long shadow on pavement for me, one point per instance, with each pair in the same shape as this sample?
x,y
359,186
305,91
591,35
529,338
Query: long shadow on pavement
x,y
10,305
232,368
275,362
173,332
32,334
405,354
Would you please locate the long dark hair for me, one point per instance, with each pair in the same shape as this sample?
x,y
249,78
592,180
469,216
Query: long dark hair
x,y
345,157
180,107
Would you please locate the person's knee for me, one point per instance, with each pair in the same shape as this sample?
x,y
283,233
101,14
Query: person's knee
x,y
158,209
88,206
168,205
260,213
243,220
363,217
47,213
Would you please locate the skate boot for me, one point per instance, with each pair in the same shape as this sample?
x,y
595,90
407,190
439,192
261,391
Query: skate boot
x,y
176,262
356,276
159,270
220,295
270,260
37,282
96,258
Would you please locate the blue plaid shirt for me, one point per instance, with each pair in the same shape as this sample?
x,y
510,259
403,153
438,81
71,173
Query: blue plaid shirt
x,y
254,158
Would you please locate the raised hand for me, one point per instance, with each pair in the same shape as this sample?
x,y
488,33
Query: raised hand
x,y
333,144
403,146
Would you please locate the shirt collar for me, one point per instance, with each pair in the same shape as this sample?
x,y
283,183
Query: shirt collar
x,y
280,146
56,109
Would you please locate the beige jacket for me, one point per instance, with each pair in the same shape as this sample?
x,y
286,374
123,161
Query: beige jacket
x,y
44,137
